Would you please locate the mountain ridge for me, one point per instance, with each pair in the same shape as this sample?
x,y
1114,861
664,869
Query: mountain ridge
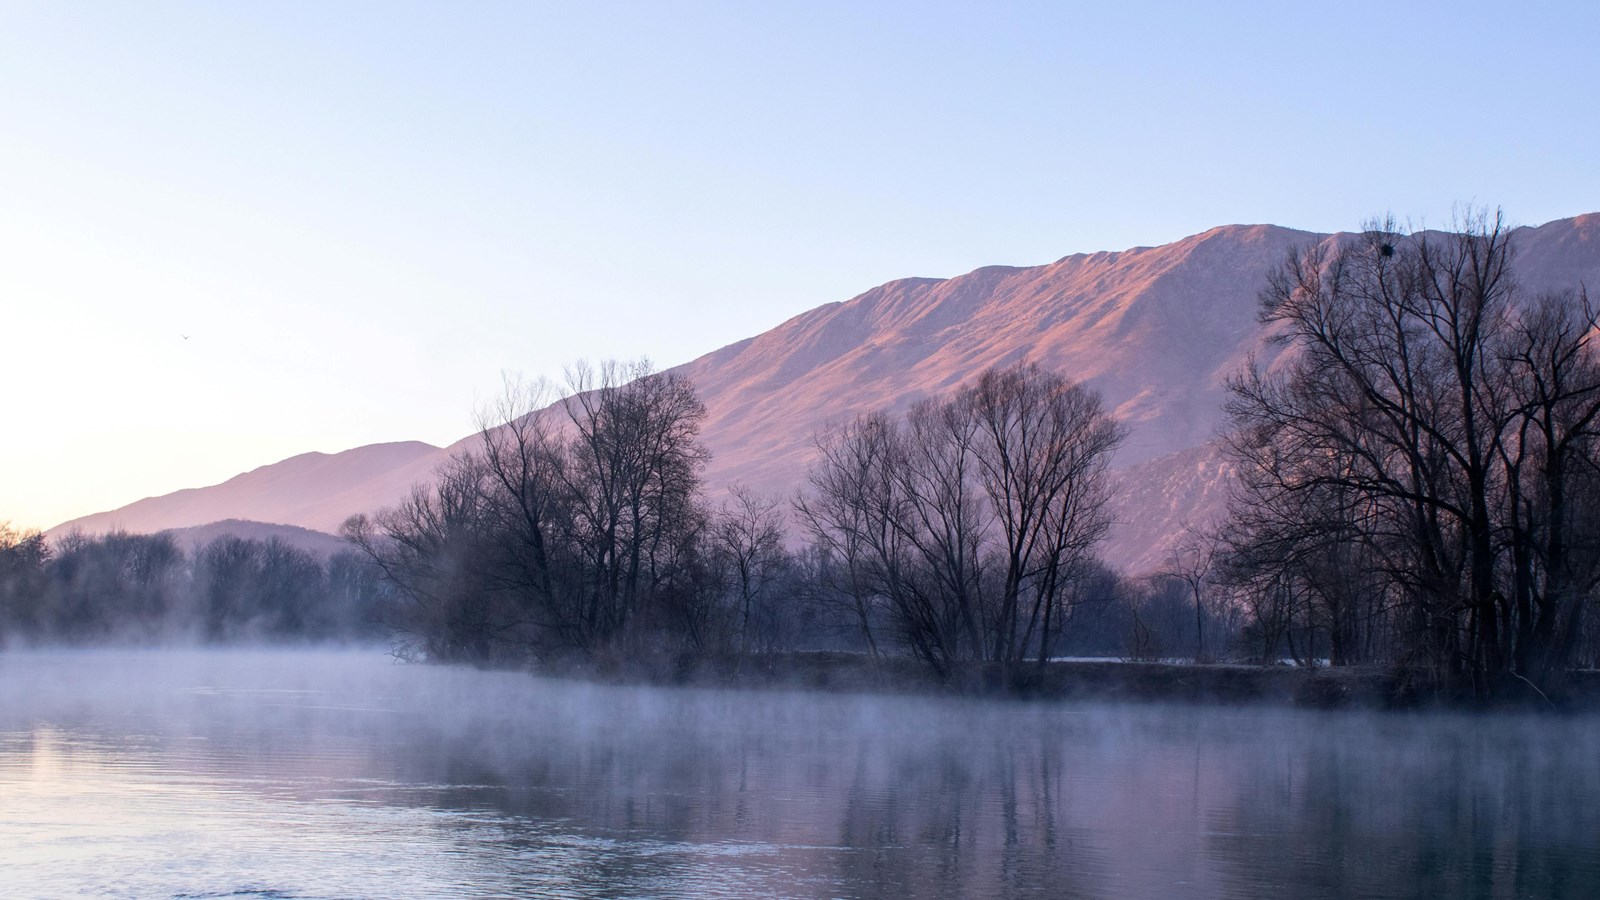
x,y
1156,330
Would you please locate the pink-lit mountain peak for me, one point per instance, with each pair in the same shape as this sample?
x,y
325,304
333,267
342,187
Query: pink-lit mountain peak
x,y
1152,328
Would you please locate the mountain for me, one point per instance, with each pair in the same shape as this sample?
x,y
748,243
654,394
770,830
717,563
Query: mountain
x,y
1156,330
312,490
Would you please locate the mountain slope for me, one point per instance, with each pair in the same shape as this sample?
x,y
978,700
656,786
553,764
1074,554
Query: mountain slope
x,y
312,490
1157,330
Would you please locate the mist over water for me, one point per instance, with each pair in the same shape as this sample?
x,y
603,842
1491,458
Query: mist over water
x,y
343,774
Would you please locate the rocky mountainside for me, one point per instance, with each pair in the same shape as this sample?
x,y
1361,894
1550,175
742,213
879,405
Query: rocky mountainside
x,y
1156,330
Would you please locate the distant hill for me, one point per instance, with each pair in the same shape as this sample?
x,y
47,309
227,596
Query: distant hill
x,y
1156,330
316,543
313,490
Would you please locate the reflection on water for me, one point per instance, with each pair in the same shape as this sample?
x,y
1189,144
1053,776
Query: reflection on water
x,y
314,774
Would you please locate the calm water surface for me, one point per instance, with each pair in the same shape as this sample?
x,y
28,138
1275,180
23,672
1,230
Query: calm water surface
x,y
319,774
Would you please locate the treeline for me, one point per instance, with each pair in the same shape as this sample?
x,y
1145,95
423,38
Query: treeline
x,y
131,588
579,532
961,534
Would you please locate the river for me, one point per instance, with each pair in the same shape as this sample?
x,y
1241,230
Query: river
x,y
324,774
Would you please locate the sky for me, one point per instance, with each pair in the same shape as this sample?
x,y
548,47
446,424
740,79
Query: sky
x,y
231,232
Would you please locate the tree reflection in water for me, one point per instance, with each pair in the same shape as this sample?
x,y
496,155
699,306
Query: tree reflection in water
x,y
323,774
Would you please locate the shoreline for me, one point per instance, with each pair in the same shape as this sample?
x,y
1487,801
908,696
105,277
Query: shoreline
x,y
1080,680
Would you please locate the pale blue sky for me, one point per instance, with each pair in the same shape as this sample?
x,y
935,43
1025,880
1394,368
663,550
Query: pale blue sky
x,y
361,213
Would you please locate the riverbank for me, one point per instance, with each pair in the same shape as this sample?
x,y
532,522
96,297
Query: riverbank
x,y
1075,680
1108,680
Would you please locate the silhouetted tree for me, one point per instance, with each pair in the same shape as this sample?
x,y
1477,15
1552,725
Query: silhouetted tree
x,y
1193,563
1435,421
747,532
434,551
24,585
572,529
969,523
633,476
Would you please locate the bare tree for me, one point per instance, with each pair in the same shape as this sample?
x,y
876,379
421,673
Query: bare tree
x,y
433,549
633,473
1193,563
528,507
1551,472
941,524
576,527
748,532
851,512
1042,459
971,521
1439,414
